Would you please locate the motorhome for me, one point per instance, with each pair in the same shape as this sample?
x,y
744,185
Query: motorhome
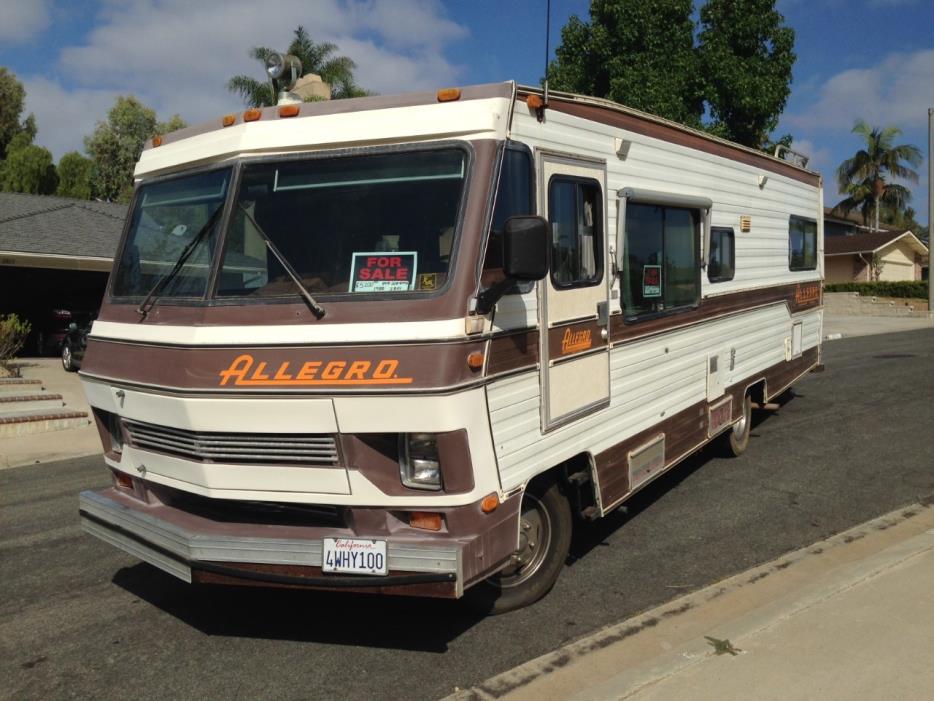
x,y
402,344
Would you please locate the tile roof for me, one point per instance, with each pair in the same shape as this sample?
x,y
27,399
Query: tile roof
x,y
860,243
59,225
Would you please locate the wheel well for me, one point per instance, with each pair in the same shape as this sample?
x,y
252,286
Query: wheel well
x,y
757,392
576,479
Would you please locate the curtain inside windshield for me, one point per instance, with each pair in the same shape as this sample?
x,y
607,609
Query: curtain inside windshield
x,y
377,224
167,218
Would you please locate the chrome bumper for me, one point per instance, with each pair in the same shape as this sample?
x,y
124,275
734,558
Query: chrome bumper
x,y
180,551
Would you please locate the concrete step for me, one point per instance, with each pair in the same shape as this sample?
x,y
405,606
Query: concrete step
x,y
41,421
17,381
26,402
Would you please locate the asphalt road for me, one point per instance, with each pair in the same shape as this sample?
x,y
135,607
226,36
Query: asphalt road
x,y
78,619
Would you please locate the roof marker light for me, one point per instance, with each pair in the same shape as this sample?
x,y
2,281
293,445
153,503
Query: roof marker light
x,y
157,140
252,114
289,110
535,102
229,119
449,94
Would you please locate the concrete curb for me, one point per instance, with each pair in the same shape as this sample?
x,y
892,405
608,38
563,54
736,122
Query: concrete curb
x,y
736,608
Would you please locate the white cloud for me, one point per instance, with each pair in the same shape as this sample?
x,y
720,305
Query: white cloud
x,y
22,19
820,156
898,90
177,56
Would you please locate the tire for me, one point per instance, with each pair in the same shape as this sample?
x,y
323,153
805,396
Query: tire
x,y
67,361
544,541
736,440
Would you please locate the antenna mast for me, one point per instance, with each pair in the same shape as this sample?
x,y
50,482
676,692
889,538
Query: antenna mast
x,y
547,38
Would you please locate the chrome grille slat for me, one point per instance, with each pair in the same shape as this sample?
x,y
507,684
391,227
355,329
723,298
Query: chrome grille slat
x,y
210,446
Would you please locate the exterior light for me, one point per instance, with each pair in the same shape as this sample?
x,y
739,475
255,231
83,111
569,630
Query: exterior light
x,y
419,463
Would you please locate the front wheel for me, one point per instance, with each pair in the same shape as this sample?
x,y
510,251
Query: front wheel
x,y
544,540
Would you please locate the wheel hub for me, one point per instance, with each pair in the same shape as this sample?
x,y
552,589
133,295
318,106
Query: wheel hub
x,y
534,539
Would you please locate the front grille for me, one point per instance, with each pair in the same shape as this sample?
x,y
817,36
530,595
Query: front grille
x,y
240,448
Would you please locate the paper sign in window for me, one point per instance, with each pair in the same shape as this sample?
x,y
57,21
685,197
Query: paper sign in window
x,y
383,272
652,281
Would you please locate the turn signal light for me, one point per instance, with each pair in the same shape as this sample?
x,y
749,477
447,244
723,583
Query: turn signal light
x,y
229,119
490,503
288,110
449,94
426,520
475,360
124,481
157,140
252,114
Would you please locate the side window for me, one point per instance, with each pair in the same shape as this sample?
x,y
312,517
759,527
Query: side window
x,y
662,250
722,263
802,244
513,197
575,210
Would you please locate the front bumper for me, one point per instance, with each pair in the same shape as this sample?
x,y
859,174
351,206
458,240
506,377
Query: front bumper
x,y
196,549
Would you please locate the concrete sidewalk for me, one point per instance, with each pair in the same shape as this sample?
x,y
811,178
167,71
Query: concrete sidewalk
x,y
53,445
851,617
843,325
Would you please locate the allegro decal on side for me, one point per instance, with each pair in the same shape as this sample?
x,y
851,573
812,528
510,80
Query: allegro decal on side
x,y
244,371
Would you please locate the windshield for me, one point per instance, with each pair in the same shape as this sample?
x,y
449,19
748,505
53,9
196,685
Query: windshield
x,y
167,217
377,224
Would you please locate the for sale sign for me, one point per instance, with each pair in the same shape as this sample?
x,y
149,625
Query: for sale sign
x,y
383,272
652,281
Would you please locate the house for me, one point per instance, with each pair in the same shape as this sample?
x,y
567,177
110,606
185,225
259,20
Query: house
x,y
55,254
851,250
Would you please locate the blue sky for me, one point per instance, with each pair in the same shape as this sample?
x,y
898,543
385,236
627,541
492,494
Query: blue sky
x,y
856,58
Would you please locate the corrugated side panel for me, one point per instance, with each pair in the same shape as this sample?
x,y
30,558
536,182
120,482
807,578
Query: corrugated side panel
x,y
516,312
649,380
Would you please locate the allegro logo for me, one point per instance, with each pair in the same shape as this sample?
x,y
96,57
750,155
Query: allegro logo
x,y
245,371
576,341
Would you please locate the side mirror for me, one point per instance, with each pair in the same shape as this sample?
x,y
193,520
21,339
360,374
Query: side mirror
x,y
526,242
525,248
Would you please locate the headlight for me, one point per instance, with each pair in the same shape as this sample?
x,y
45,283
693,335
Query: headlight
x,y
419,464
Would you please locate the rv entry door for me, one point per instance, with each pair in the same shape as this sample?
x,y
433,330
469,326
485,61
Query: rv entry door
x,y
575,295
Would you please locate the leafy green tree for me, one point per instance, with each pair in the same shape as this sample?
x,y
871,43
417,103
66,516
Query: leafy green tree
x,y
29,169
316,58
866,178
12,98
635,52
74,176
115,146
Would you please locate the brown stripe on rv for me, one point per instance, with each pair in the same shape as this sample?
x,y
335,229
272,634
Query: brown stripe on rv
x,y
334,368
680,136
687,429
356,104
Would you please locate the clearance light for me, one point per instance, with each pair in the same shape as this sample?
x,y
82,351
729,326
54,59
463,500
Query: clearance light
x,y
288,110
123,481
535,102
425,520
475,360
252,114
449,94
157,140
490,503
229,119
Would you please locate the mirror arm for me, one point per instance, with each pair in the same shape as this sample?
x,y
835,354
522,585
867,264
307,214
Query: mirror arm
x,y
488,298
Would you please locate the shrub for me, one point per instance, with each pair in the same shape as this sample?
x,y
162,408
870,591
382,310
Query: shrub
x,y
13,332
917,289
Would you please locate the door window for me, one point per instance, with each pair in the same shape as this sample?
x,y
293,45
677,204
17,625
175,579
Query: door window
x,y
576,216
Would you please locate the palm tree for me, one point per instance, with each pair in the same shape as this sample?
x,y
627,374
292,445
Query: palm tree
x,y
863,177
337,71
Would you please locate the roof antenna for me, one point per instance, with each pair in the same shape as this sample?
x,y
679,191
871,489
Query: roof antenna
x,y
541,110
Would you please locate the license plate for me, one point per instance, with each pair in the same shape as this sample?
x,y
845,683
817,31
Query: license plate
x,y
355,556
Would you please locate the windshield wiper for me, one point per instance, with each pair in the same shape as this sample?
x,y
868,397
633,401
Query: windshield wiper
x,y
142,309
315,308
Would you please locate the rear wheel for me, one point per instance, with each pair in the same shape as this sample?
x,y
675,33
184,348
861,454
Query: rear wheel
x,y
544,540
736,440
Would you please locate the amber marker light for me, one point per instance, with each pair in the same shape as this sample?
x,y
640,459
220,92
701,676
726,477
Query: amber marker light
x,y
535,102
289,110
475,360
252,114
123,481
229,119
490,503
425,520
449,94
157,140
